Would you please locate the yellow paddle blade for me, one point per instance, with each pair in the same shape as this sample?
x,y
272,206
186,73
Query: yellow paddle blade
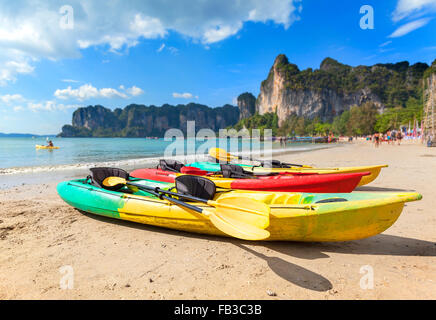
x,y
235,227
246,210
221,154
113,181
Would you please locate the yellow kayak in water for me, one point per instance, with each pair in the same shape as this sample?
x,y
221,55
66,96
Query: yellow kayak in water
x,y
38,146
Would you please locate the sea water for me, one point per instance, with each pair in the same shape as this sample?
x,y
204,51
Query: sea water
x,y
19,155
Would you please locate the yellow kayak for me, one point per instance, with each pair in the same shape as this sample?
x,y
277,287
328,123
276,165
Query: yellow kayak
x,y
293,216
38,146
222,155
374,170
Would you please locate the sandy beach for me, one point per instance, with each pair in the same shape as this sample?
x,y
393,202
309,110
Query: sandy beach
x,y
39,234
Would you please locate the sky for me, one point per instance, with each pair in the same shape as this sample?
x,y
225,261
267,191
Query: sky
x,y
56,56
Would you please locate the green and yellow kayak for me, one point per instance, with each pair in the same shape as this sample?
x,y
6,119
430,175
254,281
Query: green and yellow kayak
x,y
293,217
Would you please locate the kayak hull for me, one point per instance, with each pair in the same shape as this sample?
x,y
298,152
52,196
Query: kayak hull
x,y
322,183
373,170
294,216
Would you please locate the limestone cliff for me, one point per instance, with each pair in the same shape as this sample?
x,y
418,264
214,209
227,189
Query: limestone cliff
x,y
141,121
335,87
246,105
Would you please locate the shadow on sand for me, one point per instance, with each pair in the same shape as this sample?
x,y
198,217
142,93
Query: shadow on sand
x,y
293,273
381,244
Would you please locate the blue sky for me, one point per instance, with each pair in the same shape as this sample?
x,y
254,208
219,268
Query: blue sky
x,y
156,52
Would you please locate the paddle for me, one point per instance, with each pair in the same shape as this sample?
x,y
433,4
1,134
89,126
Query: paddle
x,y
199,172
241,218
223,155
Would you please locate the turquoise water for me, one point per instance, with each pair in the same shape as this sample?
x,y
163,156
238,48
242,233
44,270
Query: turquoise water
x,y
21,153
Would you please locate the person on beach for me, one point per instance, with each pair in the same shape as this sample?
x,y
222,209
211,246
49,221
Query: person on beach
x,y
388,136
399,137
376,139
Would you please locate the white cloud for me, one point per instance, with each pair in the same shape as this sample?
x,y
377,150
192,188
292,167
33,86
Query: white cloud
x,y
10,69
406,8
173,50
220,32
8,98
161,47
50,105
185,95
409,27
111,93
135,91
384,44
70,80
30,31
88,91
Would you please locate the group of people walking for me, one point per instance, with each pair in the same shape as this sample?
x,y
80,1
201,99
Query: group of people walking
x,y
390,137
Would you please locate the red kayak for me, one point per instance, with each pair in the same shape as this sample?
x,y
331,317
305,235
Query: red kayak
x,y
319,183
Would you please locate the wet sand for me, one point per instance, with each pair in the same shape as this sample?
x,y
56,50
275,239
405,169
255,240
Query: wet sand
x,y
110,259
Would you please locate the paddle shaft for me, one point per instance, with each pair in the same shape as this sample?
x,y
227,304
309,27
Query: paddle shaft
x,y
158,192
155,192
263,162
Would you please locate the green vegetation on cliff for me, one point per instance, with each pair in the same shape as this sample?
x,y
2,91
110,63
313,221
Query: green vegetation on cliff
x,y
392,83
358,120
261,122
431,70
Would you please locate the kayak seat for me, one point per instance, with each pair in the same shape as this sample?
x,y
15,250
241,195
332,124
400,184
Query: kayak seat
x,y
170,165
101,173
196,186
274,164
234,171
